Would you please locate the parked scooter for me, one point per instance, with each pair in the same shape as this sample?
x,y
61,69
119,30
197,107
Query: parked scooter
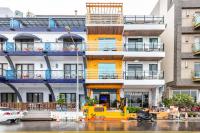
x,y
145,115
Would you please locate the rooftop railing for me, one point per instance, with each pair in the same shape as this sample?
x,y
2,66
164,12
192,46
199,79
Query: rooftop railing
x,y
143,20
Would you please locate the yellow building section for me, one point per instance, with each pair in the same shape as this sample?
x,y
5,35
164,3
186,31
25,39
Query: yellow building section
x,y
93,41
93,72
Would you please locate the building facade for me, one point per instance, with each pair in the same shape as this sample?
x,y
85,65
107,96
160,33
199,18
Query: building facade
x,y
182,32
118,56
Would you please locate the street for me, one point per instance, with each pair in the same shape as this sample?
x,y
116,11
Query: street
x,y
57,127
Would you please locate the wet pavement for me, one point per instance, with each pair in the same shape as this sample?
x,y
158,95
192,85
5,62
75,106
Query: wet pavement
x,y
47,126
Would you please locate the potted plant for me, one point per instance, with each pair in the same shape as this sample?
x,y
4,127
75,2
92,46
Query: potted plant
x,y
91,101
60,101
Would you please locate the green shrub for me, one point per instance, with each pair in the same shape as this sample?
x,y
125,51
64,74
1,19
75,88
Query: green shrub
x,y
91,101
133,109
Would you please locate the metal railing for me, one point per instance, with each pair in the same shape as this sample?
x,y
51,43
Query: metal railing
x,y
140,46
43,46
104,75
139,75
95,46
143,19
43,74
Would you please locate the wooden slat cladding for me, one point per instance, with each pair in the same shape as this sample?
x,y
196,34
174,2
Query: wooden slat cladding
x,y
117,30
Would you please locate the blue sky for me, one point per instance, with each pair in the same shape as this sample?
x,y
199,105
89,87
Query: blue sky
x,y
66,7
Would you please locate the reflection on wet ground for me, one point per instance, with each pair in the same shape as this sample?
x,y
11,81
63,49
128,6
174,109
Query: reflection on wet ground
x,y
103,126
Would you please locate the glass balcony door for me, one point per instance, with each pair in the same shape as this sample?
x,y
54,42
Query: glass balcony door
x,y
107,71
24,45
153,44
25,71
135,71
135,44
153,70
70,71
107,44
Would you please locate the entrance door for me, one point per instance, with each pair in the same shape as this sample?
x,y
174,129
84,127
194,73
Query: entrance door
x,y
104,99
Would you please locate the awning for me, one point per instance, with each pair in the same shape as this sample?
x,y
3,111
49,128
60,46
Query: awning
x,y
26,36
2,37
68,36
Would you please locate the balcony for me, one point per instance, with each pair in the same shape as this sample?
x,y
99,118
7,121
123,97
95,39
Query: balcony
x,y
104,77
52,76
196,48
144,79
104,18
196,76
196,21
115,51
39,48
143,25
144,51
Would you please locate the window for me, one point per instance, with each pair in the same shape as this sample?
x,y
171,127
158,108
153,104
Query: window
x,y
71,69
1,45
107,44
107,70
68,97
135,44
8,97
34,97
24,45
3,68
25,71
197,69
192,93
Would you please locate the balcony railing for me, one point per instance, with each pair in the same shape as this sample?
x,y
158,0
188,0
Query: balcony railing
x,y
104,75
140,75
144,47
43,46
196,20
196,48
94,46
43,74
143,20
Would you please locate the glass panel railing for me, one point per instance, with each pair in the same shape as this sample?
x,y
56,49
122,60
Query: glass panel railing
x,y
95,46
139,75
43,74
104,75
143,20
139,46
44,46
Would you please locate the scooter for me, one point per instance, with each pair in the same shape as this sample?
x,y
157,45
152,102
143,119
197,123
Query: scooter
x,y
142,115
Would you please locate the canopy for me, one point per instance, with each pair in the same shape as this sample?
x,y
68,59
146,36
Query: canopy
x,y
26,36
2,37
68,36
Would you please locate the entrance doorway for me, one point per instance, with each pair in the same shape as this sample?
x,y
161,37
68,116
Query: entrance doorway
x,y
104,99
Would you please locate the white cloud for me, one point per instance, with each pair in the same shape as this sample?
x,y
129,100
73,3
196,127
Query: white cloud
x,y
67,7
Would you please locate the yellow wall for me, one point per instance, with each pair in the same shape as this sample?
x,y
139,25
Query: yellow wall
x,y
93,41
92,68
